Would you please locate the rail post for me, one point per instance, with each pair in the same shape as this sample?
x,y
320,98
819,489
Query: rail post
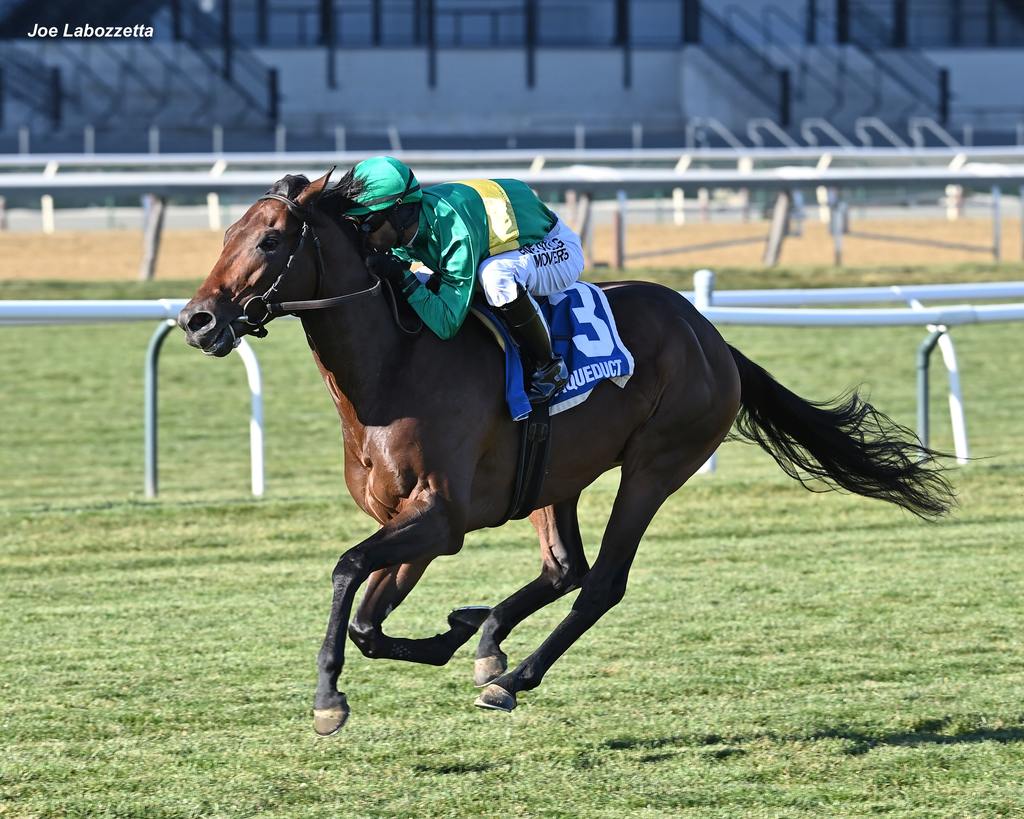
x,y
619,231
46,213
255,381
156,341
924,353
154,208
997,223
779,229
836,208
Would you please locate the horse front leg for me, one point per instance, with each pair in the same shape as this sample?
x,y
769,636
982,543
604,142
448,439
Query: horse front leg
x,y
426,527
385,590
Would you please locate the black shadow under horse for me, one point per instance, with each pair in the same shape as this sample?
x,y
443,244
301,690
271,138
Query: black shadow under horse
x,y
430,449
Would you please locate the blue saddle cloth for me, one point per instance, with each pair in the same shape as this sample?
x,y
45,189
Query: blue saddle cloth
x,y
583,333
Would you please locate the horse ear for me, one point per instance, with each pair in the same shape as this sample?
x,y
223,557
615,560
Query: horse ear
x,y
315,189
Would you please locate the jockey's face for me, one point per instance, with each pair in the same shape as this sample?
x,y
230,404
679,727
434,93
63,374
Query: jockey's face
x,y
384,236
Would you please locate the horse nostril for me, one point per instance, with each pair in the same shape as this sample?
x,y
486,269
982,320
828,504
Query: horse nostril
x,y
197,321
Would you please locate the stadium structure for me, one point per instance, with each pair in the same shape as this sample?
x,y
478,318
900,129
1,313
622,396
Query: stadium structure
x,y
385,74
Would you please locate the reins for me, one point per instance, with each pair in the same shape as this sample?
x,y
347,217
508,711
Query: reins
x,y
273,309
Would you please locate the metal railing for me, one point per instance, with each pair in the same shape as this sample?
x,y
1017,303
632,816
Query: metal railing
x,y
718,306
34,312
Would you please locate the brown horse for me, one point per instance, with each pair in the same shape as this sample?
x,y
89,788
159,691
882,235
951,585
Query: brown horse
x,y
430,449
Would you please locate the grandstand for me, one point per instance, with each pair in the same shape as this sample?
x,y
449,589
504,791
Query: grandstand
x,y
381,74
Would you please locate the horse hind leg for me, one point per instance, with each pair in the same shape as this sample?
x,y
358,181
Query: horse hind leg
x,y
385,590
642,491
563,567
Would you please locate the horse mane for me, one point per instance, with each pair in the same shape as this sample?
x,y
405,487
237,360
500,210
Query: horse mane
x,y
334,201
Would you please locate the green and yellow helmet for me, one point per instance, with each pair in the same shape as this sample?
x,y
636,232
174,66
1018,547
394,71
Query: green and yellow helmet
x,y
386,182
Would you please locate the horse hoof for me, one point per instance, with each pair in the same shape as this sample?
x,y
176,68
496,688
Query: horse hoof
x,y
488,669
471,617
496,698
327,721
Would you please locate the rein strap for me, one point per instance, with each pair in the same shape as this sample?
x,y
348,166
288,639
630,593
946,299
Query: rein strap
x,y
281,308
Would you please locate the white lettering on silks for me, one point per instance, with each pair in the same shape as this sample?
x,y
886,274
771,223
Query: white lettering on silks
x,y
594,372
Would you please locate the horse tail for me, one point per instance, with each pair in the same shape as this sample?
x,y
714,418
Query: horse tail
x,y
844,444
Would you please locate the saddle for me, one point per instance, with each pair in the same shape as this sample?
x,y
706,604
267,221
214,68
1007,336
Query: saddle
x,y
584,334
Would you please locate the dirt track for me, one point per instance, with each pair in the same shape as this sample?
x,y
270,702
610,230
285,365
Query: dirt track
x,y
189,254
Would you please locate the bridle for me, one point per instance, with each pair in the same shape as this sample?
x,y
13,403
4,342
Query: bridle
x,y
273,309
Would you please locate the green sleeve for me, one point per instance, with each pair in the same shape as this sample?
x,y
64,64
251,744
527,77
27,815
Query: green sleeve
x,y
443,312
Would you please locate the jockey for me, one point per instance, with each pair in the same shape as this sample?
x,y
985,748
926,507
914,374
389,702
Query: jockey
x,y
494,233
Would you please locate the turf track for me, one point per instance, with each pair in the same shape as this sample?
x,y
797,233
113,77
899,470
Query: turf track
x,y
778,653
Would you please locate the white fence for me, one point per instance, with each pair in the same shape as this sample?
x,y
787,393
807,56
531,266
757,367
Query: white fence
x,y
29,312
597,179
722,307
217,163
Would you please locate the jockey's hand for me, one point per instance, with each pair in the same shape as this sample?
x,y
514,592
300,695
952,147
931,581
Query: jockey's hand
x,y
387,267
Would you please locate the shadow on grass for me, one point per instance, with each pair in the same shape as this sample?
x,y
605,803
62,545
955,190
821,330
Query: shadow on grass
x,y
924,732
455,768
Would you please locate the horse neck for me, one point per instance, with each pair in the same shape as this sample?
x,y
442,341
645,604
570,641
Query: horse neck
x,y
356,341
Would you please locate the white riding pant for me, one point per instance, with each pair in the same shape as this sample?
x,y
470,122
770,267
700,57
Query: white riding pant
x,y
548,267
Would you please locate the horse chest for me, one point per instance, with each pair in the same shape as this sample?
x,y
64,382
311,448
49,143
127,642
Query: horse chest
x,y
371,486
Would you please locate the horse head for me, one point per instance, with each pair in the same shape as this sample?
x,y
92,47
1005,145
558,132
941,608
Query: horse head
x,y
272,254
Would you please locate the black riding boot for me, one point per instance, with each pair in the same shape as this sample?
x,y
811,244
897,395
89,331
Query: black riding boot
x,y
530,333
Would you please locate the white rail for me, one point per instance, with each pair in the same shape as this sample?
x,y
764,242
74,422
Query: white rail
x,y
951,316
164,311
721,307
590,178
629,156
735,307
861,295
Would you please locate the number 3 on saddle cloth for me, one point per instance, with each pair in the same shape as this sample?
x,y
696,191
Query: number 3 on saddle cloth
x,y
583,333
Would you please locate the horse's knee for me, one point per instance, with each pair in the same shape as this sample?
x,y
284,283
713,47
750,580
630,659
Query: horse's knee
x,y
446,523
350,565
366,637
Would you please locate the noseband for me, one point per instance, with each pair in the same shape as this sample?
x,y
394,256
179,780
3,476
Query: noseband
x,y
273,309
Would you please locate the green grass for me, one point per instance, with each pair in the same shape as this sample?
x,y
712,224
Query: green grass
x,y
778,653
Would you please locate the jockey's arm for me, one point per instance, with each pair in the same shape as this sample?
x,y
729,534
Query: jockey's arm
x,y
444,311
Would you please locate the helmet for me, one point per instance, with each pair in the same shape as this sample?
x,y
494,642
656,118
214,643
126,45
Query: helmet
x,y
386,182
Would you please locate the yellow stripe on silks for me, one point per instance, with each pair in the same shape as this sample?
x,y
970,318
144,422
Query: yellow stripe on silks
x,y
502,228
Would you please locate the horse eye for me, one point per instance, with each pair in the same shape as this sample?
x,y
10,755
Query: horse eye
x,y
269,243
